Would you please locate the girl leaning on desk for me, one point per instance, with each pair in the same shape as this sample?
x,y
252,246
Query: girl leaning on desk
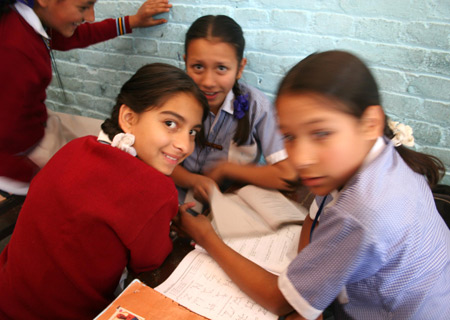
x,y
381,249
103,204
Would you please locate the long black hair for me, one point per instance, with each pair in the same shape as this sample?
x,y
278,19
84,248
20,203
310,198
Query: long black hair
x,y
228,31
344,77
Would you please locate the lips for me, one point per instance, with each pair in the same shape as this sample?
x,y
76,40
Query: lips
x,y
210,95
172,159
312,181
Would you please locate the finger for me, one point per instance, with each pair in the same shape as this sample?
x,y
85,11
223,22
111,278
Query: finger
x,y
156,22
186,206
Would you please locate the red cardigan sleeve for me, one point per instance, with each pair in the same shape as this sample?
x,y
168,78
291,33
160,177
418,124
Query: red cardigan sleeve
x,y
91,33
22,97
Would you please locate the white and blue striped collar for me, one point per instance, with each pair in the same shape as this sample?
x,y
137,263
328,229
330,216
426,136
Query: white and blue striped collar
x,y
31,18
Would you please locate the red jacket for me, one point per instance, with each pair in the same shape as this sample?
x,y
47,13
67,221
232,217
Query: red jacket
x,y
91,211
25,73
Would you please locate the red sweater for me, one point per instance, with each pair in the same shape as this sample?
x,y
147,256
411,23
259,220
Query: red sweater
x,y
91,211
25,73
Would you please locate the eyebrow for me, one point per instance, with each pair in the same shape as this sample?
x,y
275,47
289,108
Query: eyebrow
x,y
313,121
176,115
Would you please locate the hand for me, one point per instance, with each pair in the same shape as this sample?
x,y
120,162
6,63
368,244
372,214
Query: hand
x,y
144,15
218,173
196,227
202,187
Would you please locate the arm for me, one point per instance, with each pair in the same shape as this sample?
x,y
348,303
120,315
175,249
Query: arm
x,y
188,180
144,16
23,112
268,176
236,266
91,33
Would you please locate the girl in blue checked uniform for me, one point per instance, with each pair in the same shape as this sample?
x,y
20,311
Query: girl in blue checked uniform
x,y
381,249
241,125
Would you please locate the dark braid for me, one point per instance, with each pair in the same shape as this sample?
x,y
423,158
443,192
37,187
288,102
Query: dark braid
x,y
243,128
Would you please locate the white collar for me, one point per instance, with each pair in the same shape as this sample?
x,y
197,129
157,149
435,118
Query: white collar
x,y
31,18
227,104
103,137
377,148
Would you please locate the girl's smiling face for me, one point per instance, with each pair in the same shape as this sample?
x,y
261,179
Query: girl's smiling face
x,y
214,67
326,145
165,135
65,15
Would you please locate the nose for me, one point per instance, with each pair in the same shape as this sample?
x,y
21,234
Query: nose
x,y
89,15
207,80
183,142
302,154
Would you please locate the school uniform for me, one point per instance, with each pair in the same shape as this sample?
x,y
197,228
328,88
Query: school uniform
x,y
381,249
26,72
264,139
91,211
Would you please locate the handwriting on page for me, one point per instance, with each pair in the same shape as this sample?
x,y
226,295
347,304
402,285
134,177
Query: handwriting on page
x,y
273,252
204,288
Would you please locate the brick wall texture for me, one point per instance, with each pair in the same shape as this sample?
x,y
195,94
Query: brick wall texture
x,y
406,43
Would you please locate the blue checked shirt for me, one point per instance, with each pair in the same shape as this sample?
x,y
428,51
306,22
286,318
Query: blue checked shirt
x,y
381,250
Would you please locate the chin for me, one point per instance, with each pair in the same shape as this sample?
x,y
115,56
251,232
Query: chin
x,y
320,191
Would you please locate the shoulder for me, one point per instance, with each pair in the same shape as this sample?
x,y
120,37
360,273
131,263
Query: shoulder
x,y
15,31
105,166
255,95
386,191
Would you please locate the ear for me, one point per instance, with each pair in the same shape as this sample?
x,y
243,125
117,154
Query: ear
x,y
127,118
372,122
42,3
241,68
184,58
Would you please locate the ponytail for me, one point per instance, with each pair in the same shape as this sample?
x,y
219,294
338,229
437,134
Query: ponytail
x,y
427,165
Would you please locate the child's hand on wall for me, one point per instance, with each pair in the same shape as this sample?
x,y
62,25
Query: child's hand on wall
x,y
144,16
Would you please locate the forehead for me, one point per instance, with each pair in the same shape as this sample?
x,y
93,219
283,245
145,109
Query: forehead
x,y
306,109
211,48
79,2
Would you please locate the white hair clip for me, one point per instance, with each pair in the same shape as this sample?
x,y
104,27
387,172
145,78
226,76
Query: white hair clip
x,y
124,141
403,134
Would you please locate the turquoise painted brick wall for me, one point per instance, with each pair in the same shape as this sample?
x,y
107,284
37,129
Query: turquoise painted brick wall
x,y
406,43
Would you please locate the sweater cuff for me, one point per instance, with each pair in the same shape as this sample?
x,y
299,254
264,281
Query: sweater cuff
x,y
123,25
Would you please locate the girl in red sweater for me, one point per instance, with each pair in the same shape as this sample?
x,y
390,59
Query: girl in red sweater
x,y
103,204
29,133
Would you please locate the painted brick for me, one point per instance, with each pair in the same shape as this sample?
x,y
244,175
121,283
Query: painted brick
x,y
404,9
431,35
425,134
378,30
333,24
146,46
405,42
431,87
290,19
252,18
